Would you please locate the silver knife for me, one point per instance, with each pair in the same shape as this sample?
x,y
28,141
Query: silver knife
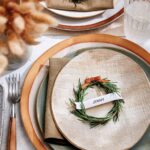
x,y
1,113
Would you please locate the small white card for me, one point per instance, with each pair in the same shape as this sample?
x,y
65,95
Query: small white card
x,y
98,100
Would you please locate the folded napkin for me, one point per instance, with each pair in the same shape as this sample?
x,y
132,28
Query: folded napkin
x,y
87,5
51,133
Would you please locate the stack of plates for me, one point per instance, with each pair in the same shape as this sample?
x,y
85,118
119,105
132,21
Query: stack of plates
x,y
109,46
79,21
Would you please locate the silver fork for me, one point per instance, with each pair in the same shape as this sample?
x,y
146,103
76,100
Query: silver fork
x,y
14,90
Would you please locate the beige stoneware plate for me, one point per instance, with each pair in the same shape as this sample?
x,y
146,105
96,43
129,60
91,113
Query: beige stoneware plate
x,y
134,118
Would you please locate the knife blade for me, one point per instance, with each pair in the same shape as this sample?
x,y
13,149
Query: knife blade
x,y
1,113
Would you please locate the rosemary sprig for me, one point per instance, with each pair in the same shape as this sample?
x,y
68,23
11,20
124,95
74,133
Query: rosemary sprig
x,y
113,114
77,1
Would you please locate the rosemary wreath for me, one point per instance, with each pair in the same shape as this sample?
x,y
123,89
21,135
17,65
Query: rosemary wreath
x,y
80,92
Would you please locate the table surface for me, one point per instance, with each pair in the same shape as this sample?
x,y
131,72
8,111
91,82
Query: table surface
x,y
47,41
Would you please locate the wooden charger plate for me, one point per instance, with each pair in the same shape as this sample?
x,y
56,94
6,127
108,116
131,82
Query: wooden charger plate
x,y
60,50
135,89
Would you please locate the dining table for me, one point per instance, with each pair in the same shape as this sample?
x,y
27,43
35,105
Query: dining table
x,y
46,41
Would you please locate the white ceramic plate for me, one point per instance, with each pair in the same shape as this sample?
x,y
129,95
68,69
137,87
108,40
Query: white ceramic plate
x,y
72,14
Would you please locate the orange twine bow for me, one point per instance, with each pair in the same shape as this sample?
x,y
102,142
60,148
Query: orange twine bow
x,y
89,80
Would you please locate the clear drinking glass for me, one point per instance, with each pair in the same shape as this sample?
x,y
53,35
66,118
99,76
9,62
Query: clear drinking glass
x,y
137,20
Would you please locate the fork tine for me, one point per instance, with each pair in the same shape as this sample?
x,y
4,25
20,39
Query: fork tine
x,y
14,87
19,84
9,87
19,87
14,84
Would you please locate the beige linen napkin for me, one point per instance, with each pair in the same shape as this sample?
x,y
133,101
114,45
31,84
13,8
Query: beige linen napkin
x,y
88,5
51,133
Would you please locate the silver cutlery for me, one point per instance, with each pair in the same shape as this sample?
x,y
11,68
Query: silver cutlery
x,y
14,90
1,113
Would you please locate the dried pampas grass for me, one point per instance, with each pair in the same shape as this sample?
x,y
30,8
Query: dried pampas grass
x,y
3,63
15,44
20,24
4,48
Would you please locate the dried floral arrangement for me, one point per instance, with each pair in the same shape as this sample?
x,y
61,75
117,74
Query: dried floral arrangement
x,y
20,24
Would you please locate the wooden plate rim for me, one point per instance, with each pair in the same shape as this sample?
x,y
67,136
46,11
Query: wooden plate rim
x,y
30,77
91,26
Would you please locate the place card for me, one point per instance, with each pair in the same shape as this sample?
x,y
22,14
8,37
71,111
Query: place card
x,y
99,100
